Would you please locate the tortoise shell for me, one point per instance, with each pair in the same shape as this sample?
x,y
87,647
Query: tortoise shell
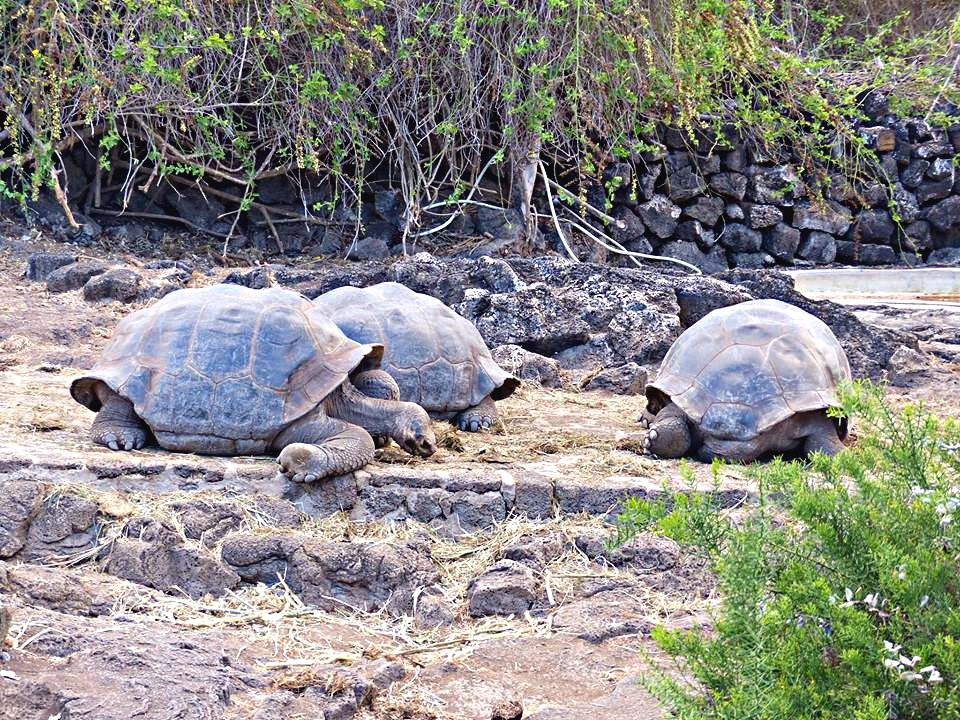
x,y
224,361
742,369
437,357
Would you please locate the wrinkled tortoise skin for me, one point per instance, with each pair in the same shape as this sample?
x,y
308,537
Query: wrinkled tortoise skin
x,y
224,362
742,369
437,357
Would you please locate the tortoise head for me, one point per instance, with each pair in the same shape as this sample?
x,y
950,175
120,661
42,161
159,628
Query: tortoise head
x,y
414,431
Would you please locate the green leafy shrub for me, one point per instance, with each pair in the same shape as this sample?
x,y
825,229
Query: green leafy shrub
x,y
237,92
841,590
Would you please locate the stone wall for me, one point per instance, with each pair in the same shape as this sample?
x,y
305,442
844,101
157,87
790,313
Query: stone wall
x,y
728,206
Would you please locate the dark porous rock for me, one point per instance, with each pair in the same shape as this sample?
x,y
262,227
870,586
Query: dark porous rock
x,y
874,194
659,215
256,279
277,190
880,139
832,218
740,238
691,253
642,335
905,204
371,248
612,610
532,317
191,204
781,241
912,175
633,226
945,215
762,216
685,184
934,190
939,148
535,551
941,169
121,284
504,226
628,379
529,366
908,367
734,160
41,264
944,256
868,348
73,276
699,296
640,245
918,234
706,210
779,185
506,588
388,205
364,575
693,231
734,212
643,552
847,251
381,230
877,255
432,611
151,553
818,247
731,185
751,260
64,526
19,504
875,226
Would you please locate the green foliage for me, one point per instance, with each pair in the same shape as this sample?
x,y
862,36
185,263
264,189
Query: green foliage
x,y
245,89
841,593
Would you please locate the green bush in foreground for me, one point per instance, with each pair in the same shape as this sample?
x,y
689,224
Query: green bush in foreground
x,y
841,591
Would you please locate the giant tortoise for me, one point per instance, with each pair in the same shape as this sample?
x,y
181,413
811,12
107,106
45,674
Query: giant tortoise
x,y
746,381
226,370
437,358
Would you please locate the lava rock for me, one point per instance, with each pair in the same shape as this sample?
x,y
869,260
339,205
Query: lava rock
x,y
907,367
370,248
73,276
734,160
945,214
818,247
709,262
191,204
781,241
706,210
151,553
944,256
506,588
762,216
633,226
628,379
877,255
918,234
731,185
535,551
941,169
528,366
875,226
684,184
934,190
834,218
905,204
659,216
121,284
778,185
751,260
913,174
41,264
880,139
740,238
734,212
505,226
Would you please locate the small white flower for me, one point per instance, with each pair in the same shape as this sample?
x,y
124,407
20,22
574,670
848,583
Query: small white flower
x,y
910,676
832,599
946,520
891,663
890,647
924,600
934,678
848,594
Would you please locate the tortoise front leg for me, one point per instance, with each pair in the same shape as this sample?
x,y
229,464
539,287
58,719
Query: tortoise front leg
x,y
377,384
481,416
317,446
821,434
117,425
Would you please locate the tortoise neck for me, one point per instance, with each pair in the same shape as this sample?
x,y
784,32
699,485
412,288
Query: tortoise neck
x,y
378,417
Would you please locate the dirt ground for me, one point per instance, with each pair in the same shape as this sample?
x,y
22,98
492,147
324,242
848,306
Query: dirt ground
x,y
85,643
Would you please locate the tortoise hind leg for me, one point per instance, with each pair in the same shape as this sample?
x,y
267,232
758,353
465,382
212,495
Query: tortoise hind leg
x,y
318,446
481,416
377,384
117,425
